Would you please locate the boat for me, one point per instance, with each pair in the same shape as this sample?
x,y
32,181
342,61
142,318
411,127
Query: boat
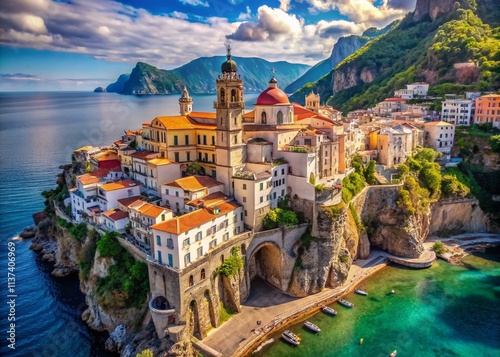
x,y
346,303
393,354
329,310
360,292
312,326
291,338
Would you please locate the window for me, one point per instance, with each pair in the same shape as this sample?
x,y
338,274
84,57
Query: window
x,y
186,139
213,157
191,280
280,117
263,118
176,140
199,156
261,186
213,140
282,171
200,252
275,173
204,140
244,186
176,193
241,216
158,240
199,235
244,199
170,243
187,259
199,139
213,229
202,274
246,213
176,155
213,243
185,243
226,236
206,157
235,218
261,199
188,156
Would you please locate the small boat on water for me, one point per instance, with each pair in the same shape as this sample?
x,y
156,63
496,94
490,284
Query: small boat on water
x,y
312,326
360,292
346,303
291,338
393,354
329,311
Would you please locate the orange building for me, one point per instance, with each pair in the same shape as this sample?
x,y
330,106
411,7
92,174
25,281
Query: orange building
x,y
488,110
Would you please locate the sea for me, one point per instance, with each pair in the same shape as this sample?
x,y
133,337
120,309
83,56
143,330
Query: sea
x,y
442,311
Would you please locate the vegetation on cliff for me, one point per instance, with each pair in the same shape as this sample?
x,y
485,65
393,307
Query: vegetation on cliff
x,y
127,282
280,216
232,264
353,184
422,50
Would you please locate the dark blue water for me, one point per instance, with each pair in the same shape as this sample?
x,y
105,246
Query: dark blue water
x,y
38,132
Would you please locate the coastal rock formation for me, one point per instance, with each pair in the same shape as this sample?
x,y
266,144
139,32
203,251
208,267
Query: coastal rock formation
x,y
458,216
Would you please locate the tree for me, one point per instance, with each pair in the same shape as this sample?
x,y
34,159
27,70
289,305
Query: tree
x,y
145,353
370,173
280,217
495,143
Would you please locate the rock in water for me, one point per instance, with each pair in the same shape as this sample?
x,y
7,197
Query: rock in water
x,y
100,90
116,339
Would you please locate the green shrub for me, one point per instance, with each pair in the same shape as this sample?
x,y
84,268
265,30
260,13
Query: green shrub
x,y
280,217
355,216
337,209
232,264
439,248
78,232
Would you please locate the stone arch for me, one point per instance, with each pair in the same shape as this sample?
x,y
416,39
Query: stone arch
x,y
194,320
265,263
211,309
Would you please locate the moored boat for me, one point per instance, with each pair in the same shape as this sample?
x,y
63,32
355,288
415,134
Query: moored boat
x,y
360,292
291,338
312,326
329,310
393,354
346,303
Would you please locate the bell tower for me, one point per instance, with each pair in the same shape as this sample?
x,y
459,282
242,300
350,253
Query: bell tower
x,y
185,103
230,151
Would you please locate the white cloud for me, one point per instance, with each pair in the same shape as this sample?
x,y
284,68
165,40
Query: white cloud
x,y
245,15
195,3
285,5
365,11
179,15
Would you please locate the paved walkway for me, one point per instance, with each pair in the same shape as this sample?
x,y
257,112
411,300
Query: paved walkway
x,y
268,309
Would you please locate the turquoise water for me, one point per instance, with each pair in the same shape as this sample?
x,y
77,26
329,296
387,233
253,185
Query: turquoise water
x,y
445,310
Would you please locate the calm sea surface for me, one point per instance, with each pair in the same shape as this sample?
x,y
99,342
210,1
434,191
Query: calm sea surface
x,y
442,311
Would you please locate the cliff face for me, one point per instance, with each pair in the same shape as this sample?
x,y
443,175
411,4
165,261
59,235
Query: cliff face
x,y
460,216
432,8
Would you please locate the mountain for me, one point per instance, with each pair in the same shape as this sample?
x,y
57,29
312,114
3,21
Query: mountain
x,y
199,76
344,47
425,46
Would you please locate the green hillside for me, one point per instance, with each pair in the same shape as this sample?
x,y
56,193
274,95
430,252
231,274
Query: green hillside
x,y
423,50
199,76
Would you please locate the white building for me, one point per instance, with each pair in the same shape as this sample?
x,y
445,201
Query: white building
x,y
115,220
458,111
182,240
143,215
108,194
418,89
176,194
440,135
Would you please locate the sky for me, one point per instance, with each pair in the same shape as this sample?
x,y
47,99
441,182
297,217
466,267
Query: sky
x,y
83,44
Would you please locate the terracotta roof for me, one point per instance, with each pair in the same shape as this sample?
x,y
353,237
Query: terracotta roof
x,y
395,100
148,209
194,183
210,200
144,155
160,161
116,215
437,123
182,122
250,114
188,221
93,177
129,200
204,115
118,185
301,113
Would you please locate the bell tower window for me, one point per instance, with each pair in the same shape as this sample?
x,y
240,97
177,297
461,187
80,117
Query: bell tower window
x,y
233,95
280,117
222,96
263,118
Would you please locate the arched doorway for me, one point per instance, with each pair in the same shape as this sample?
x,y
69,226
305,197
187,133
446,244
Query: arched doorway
x,y
194,320
265,263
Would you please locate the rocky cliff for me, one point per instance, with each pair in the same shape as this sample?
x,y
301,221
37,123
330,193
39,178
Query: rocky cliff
x,y
458,216
432,8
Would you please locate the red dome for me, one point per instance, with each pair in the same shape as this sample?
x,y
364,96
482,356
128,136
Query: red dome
x,y
272,96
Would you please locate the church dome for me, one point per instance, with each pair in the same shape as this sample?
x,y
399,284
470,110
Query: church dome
x,y
229,66
272,96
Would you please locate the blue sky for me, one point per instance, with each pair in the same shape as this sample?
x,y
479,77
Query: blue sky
x,y
82,44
